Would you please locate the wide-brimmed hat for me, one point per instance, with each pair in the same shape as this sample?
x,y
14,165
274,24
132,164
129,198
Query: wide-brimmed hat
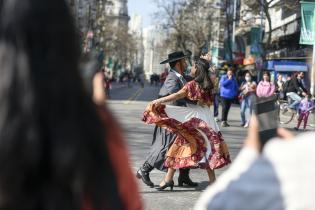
x,y
175,56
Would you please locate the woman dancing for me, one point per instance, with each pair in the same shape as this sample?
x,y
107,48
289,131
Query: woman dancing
x,y
199,142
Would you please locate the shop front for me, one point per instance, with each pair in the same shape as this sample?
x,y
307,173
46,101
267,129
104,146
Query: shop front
x,y
287,68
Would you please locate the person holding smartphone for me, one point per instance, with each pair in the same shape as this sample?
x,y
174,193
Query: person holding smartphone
x,y
268,179
228,92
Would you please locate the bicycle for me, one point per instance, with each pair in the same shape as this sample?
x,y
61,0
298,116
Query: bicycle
x,y
285,114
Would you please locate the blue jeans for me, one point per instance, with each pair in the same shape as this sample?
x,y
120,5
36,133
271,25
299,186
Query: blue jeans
x,y
296,100
246,109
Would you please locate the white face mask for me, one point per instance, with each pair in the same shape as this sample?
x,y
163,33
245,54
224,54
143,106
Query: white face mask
x,y
248,79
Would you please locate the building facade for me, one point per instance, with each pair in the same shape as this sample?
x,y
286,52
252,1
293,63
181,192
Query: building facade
x,y
87,12
135,29
154,52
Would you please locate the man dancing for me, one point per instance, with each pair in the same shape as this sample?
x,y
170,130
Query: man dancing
x,y
162,138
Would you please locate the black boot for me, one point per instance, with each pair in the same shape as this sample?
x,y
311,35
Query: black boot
x,y
144,174
183,178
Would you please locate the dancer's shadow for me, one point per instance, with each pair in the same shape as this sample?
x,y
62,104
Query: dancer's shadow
x,y
201,186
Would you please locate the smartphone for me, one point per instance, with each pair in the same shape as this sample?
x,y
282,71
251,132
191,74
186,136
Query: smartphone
x,y
266,112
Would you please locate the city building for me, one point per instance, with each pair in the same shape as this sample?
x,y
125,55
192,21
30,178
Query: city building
x,y
86,14
285,54
135,29
154,52
248,37
216,44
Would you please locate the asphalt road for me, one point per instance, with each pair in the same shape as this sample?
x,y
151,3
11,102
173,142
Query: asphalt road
x,y
128,104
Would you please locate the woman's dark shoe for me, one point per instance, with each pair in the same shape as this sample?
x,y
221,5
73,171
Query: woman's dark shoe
x,y
184,178
166,185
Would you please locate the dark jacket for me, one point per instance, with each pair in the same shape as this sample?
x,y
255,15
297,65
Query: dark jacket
x,y
171,85
294,85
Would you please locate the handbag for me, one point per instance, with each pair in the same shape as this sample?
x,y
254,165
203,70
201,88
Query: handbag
x,y
240,97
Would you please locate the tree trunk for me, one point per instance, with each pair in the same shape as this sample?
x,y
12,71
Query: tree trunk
x,y
268,44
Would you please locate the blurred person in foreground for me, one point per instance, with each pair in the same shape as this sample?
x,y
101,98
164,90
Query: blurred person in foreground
x,y
280,177
58,149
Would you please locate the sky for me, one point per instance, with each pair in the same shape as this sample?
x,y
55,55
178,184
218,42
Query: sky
x,y
142,7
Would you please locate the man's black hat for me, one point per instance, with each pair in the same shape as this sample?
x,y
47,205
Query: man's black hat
x,y
175,56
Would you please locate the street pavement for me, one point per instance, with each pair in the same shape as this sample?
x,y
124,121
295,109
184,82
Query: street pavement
x,y
128,104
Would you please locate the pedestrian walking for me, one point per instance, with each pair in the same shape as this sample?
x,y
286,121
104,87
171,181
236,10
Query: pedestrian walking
x,y
306,105
228,93
265,87
163,138
59,150
216,95
280,87
199,142
247,91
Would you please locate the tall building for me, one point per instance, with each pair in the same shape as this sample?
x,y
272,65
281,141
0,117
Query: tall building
x,y
135,28
117,10
85,13
217,41
154,52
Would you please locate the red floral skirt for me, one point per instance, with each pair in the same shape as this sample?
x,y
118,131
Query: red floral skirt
x,y
189,147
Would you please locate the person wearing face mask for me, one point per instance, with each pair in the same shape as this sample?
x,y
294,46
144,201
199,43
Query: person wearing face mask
x,y
247,89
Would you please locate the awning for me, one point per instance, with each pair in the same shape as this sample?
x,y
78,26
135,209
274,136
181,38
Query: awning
x,y
288,66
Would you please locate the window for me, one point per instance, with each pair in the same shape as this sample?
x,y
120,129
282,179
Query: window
x,y
289,7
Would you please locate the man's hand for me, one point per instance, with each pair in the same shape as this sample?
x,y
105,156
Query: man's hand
x,y
252,140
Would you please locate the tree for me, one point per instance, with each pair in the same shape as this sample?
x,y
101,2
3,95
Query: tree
x,y
266,6
187,23
111,39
